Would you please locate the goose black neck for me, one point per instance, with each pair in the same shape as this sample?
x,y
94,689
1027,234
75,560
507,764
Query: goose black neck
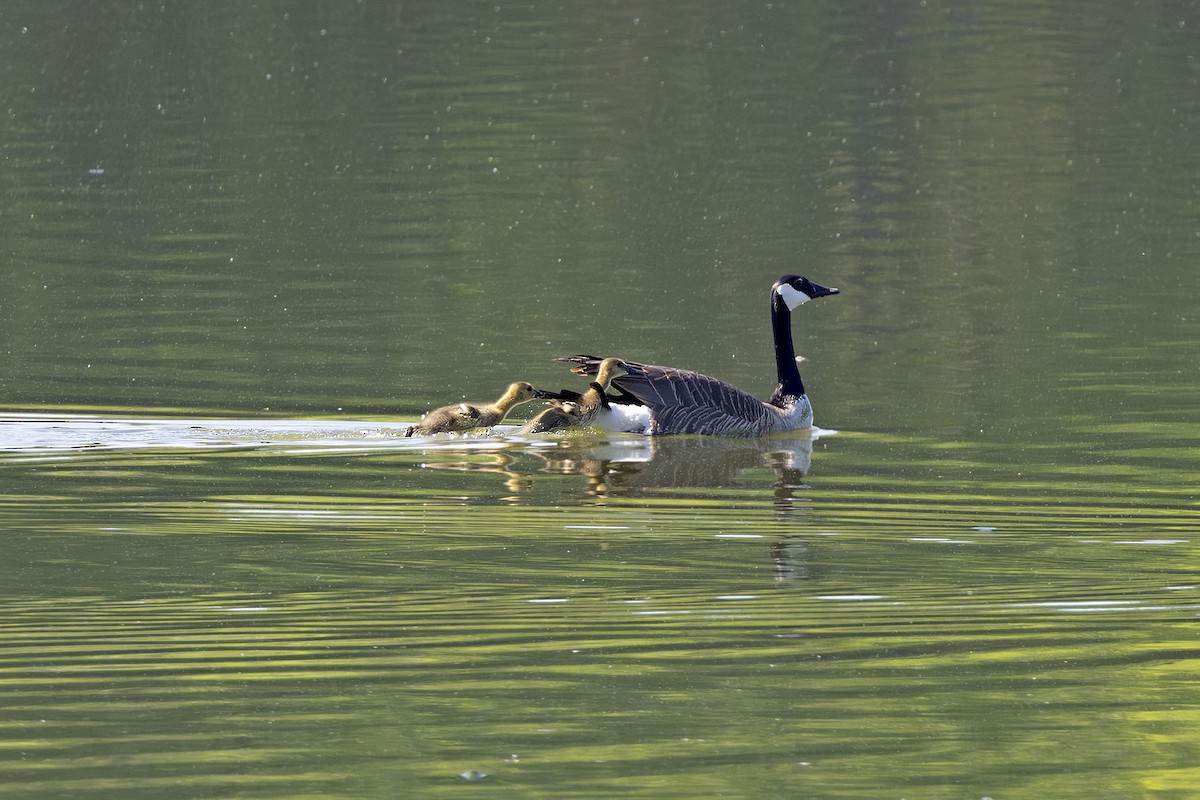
x,y
790,384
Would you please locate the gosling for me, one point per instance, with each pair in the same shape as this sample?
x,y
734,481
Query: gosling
x,y
572,410
466,416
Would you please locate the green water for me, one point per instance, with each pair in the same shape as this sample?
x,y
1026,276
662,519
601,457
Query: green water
x,y
245,244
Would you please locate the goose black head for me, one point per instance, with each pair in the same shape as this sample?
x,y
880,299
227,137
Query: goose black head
x,y
794,290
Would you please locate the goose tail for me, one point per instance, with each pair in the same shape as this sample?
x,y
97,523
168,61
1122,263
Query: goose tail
x,y
584,364
616,393
590,365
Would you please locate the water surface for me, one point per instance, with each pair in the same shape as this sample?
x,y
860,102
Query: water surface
x,y
246,245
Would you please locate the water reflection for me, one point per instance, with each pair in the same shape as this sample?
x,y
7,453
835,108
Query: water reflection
x,y
608,464
634,465
507,604
606,467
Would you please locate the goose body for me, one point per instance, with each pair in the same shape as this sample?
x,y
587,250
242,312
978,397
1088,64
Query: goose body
x,y
682,401
465,416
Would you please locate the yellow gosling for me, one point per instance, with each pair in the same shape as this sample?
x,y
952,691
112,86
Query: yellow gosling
x,y
578,411
466,416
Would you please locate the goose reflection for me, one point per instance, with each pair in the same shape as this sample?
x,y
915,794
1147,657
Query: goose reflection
x,y
635,464
627,467
790,560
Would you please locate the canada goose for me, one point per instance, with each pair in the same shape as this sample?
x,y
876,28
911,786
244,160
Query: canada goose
x,y
681,401
465,416
571,409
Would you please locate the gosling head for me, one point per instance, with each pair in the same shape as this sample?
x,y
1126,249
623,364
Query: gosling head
x,y
523,392
610,368
794,290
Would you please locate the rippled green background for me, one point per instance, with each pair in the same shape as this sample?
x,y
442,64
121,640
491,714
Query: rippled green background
x,y
244,242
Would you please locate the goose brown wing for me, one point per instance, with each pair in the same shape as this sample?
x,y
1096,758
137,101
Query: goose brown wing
x,y
683,401
708,420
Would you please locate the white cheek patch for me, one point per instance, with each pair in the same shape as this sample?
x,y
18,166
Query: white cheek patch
x,y
792,296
